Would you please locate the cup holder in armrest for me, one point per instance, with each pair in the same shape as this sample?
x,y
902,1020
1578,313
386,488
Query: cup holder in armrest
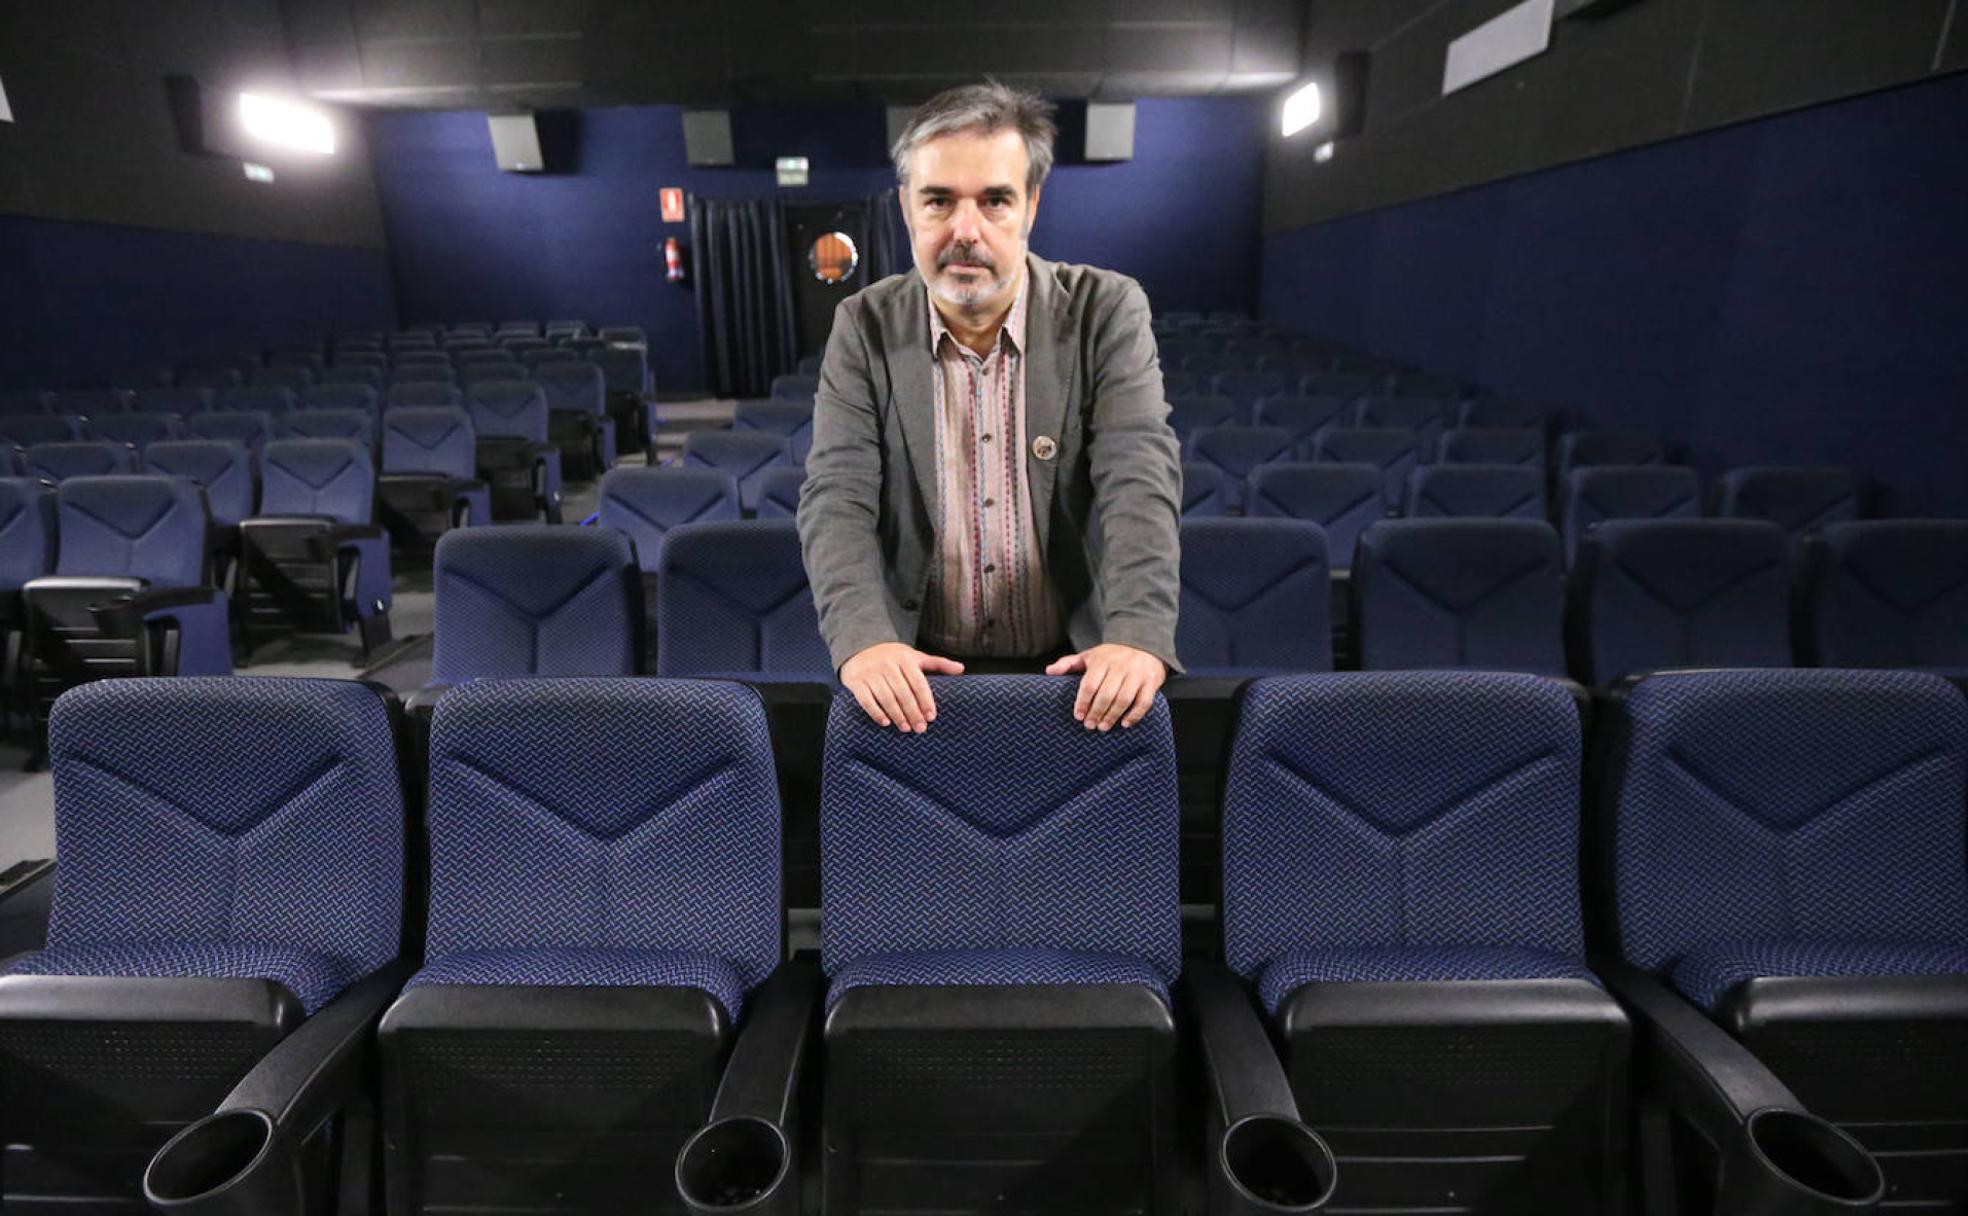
x,y
223,1165
1273,1164
1793,1163
738,1165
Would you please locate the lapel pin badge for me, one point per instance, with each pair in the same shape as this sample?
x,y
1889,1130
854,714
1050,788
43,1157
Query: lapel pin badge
x,y
1045,447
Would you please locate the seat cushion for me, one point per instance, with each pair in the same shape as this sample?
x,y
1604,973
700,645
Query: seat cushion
x,y
314,979
575,967
1706,974
1026,967
1294,969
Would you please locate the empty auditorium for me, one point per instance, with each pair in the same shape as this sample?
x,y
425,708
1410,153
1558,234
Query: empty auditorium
x,y
1084,608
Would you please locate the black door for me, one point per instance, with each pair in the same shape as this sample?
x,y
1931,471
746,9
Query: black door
x,y
828,265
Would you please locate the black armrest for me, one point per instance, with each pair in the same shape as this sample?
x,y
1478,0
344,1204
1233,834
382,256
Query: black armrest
x,y
747,1152
323,545
1261,1156
243,1159
125,614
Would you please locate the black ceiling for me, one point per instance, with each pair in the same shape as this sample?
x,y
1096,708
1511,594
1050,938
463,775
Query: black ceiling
x,y
520,53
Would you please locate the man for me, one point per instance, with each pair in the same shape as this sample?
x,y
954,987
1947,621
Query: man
x,y
993,483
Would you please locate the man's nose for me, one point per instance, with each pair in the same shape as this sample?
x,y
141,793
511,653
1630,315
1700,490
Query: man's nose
x,y
968,223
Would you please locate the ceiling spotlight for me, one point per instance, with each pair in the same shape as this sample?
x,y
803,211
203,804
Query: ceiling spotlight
x,y
286,124
1323,153
1302,108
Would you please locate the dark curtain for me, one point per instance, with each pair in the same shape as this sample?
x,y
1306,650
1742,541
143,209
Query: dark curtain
x,y
741,267
881,237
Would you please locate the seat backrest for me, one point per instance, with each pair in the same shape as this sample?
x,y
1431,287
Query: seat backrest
x,y
340,397
1302,416
26,430
262,398
1477,491
27,531
1347,386
90,401
1888,593
250,427
185,401
1006,826
1422,416
1236,450
438,439
733,597
1591,449
647,502
136,430
795,386
1492,445
331,477
484,354
1799,499
1202,490
624,333
1383,809
1389,449
1247,387
364,376
746,455
222,468
1500,413
428,394
605,814
535,600
133,526
783,416
414,373
536,357
1480,593
1343,499
779,492
1446,389
1648,595
511,409
625,369
473,374
1256,593
331,424
273,817
1772,806
295,379
1593,495
81,458
573,386
1190,414
1208,364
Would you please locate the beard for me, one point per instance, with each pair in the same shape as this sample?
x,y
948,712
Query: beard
x,y
964,295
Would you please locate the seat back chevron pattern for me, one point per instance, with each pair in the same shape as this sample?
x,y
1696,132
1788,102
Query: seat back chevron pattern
x,y
1407,808
1476,491
1302,416
746,455
1654,594
607,814
575,387
434,439
1235,451
510,409
1421,416
249,427
1485,593
790,419
779,492
1625,492
1592,449
331,477
223,467
1389,449
647,502
1799,500
1493,445
1891,593
1255,593
172,400
147,527
535,600
358,425
27,531
58,462
1202,489
1790,805
342,397
1343,499
733,597
1006,826
263,811
271,399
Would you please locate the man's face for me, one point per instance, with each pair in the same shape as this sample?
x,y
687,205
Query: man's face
x,y
969,215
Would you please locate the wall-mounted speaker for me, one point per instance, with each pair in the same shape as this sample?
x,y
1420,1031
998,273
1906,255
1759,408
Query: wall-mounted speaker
x,y
1349,93
707,137
1110,130
898,122
516,143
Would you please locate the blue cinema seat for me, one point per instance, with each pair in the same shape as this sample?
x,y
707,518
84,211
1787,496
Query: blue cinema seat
x,y
535,600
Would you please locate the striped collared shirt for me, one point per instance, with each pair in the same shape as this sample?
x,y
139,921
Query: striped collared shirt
x,y
988,591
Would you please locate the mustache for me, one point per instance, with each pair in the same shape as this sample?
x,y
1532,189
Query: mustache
x,y
967,252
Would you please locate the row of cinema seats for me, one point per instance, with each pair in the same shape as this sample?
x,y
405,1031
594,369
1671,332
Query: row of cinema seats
x,y
559,928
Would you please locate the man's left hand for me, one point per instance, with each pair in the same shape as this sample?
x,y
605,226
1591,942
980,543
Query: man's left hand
x,y
1119,684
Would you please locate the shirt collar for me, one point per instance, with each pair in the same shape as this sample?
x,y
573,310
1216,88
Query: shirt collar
x,y
1013,330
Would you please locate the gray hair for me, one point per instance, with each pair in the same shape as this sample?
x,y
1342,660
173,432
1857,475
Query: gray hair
x,y
987,108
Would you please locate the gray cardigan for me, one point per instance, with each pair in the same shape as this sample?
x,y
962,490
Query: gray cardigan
x,y
1106,492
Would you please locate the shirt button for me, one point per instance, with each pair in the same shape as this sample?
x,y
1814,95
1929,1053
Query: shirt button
x,y
987,439
908,605
990,567
990,502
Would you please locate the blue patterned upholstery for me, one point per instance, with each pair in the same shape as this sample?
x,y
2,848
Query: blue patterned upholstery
x,y
1007,841
26,430
58,462
1235,451
512,409
1806,821
1594,449
423,377
226,827
588,831
1591,496
1421,417
625,369
292,378
795,387
1799,500
1193,413
1388,449
357,425
746,455
223,468
1654,594
1343,499
334,396
349,376
779,492
1483,593
182,401
1202,490
535,600
272,399
87,402
1476,491
1304,417
792,420
732,598
1247,388
433,439
27,531
473,373
1019,966
647,502
1346,386
147,527
1256,595
576,387
1402,826
253,428
1889,593
136,431
326,477
1493,445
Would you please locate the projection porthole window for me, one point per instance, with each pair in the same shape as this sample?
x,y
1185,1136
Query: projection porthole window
x,y
833,257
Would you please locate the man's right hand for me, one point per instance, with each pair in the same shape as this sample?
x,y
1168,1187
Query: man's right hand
x,y
887,679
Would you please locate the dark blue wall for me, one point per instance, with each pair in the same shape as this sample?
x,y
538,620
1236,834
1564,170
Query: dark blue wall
x,y
470,242
84,302
1789,290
